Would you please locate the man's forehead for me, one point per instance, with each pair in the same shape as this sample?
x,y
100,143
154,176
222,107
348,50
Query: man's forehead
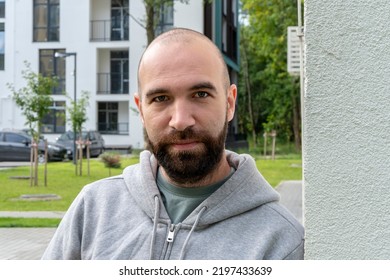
x,y
183,43
180,36
173,52
179,41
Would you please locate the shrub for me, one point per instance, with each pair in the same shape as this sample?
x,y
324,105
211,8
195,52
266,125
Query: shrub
x,y
111,160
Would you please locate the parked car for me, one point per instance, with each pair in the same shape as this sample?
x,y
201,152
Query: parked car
x,y
16,146
94,137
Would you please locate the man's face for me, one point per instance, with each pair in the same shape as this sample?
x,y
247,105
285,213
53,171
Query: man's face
x,y
185,107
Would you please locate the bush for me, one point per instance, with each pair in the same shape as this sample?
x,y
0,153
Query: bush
x,y
111,160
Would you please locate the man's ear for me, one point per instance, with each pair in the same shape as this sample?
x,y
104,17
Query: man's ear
x,y
231,101
138,102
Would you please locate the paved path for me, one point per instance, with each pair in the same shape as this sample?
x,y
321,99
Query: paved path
x,y
30,243
32,214
24,243
11,164
291,197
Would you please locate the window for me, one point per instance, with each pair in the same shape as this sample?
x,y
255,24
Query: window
x,y
229,28
119,72
2,8
50,66
165,20
108,117
16,138
46,21
54,121
208,20
2,45
119,20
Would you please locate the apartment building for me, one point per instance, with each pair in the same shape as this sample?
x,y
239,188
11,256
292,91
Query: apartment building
x,y
94,46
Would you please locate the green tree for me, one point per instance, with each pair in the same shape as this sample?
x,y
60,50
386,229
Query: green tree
x,y
274,92
77,116
153,12
34,100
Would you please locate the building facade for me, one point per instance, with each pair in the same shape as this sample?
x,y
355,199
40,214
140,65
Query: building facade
x,y
93,46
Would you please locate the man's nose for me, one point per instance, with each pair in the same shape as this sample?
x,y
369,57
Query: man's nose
x,y
182,116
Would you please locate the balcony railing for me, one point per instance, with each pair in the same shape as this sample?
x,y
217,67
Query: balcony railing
x,y
121,128
109,30
113,83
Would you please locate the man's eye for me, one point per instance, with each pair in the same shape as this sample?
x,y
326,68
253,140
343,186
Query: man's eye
x,y
160,98
201,94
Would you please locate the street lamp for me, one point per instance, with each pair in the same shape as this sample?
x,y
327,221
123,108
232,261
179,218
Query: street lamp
x,y
57,55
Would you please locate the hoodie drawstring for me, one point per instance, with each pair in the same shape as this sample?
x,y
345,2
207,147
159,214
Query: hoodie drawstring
x,y
191,231
155,222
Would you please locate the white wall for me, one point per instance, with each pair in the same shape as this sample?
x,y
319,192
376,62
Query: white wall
x,y
347,129
189,15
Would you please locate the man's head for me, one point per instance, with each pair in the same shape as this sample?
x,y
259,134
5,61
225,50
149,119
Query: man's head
x,y
186,101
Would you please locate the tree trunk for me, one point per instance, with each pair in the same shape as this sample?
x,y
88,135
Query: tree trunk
x,y
150,11
248,90
296,121
36,165
31,165
46,157
81,155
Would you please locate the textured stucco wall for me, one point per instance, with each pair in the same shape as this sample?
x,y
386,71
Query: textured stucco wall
x,y
347,129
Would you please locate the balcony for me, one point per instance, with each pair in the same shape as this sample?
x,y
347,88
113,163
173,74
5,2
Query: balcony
x,y
121,128
113,83
109,30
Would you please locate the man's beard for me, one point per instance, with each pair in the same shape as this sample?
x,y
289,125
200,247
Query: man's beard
x,y
191,166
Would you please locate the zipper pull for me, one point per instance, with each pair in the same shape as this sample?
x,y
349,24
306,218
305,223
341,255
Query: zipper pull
x,y
171,233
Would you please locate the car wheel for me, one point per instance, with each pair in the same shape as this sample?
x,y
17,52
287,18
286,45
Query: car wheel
x,y
41,158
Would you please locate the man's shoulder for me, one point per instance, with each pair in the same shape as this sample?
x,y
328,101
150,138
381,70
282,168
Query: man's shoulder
x,y
283,218
108,184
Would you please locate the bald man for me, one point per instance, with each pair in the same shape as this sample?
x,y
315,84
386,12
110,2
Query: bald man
x,y
189,197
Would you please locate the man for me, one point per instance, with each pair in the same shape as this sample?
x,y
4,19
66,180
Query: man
x,y
188,198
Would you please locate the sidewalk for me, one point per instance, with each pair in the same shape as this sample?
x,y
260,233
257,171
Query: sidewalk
x,y
30,243
291,197
32,214
26,243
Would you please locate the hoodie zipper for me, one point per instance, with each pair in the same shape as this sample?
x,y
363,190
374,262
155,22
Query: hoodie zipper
x,y
171,233
169,241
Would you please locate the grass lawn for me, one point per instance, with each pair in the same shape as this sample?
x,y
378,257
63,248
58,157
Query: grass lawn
x,y
278,170
63,182
29,222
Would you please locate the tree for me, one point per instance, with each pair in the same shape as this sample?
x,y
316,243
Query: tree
x,y
264,42
77,116
34,100
153,12
154,9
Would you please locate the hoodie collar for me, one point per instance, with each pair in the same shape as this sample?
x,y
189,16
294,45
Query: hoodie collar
x,y
246,189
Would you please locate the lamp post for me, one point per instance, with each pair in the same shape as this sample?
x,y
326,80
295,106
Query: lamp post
x,y
57,55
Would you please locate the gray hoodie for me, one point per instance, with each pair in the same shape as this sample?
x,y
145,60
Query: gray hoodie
x,y
123,217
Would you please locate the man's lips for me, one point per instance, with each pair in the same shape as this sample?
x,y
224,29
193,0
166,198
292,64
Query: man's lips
x,y
185,145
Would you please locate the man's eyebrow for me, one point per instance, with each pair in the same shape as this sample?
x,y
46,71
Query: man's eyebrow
x,y
155,91
198,86
203,85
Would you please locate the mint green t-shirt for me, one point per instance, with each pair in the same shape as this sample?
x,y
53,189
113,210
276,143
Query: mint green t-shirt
x,y
179,201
